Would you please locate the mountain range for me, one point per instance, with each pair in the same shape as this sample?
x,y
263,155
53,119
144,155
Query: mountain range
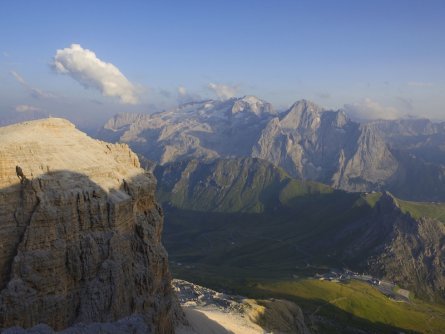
x,y
308,142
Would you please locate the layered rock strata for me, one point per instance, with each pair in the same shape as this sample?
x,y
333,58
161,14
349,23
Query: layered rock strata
x,y
80,232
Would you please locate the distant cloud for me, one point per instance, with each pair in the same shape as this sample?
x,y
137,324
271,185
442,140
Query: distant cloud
x,y
223,92
35,92
185,96
182,91
91,72
420,84
19,78
369,109
26,108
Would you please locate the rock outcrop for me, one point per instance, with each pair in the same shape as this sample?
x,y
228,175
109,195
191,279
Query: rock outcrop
x,y
80,232
209,311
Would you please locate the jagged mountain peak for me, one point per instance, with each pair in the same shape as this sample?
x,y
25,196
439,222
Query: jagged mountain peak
x,y
340,118
302,113
305,106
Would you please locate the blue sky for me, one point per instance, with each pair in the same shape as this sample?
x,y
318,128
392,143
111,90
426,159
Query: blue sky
x,y
375,57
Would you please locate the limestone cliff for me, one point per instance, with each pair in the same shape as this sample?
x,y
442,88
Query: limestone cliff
x,y
80,232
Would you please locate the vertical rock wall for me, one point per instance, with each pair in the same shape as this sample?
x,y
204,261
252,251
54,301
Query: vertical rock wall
x,y
80,235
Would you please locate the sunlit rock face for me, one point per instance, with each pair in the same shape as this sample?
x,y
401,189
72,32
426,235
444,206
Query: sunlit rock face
x,y
80,232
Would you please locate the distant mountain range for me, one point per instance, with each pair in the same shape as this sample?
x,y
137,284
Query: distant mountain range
x,y
405,157
246,214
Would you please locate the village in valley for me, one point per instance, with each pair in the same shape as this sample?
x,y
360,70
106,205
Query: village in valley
x,y
389,289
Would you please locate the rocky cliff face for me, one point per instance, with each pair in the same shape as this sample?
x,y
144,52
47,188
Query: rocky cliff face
x,y
326,146
418,146
392,244
80,232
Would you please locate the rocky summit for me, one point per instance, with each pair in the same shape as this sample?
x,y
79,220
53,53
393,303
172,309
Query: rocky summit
x,y
80,234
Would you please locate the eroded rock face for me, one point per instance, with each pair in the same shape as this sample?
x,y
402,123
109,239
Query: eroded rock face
x,y
311,143
80,232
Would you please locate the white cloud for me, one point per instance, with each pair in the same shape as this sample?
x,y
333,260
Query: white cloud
x,y
26,108
91,72
420,84
35,92
369,109
223,92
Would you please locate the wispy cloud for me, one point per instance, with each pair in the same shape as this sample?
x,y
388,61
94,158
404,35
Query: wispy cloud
x,y
35,92
86,68
26,108
185,96
223,92
368,109
420,84
182,91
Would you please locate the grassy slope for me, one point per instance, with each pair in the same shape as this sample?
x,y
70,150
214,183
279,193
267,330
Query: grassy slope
x,y
354,304
359,301
419,209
